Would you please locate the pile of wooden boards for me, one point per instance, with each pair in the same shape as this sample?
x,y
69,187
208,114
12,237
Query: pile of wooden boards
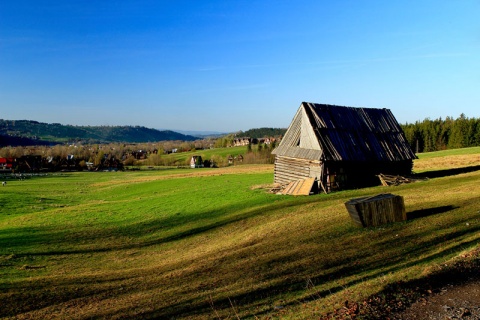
x,y
303,187
388,180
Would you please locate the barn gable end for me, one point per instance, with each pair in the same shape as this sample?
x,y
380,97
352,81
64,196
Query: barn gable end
x,y
342,147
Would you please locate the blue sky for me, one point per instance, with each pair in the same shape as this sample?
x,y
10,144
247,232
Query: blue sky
x,y
235,65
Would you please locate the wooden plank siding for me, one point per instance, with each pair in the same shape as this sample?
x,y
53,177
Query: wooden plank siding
x,y
292,136
290,169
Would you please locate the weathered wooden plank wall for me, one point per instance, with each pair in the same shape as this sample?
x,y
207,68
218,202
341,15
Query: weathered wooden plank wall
x,y
290,169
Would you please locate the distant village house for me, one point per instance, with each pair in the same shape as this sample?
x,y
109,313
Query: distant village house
x,y
196,162
245,141
6,163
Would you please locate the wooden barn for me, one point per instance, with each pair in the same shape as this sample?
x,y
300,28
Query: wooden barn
x,y
342,147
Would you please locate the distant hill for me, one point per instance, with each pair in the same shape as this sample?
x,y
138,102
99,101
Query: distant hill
x,y
6,140
263,132
203,134
28,132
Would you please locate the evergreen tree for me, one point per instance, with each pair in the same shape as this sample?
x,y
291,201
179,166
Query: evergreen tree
x,y
439,134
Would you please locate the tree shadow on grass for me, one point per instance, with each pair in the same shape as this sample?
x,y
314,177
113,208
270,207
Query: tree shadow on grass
x,y
166,228
264,296
46,236
290,281
210,299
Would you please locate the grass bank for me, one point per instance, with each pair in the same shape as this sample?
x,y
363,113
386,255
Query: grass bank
x,y
212,243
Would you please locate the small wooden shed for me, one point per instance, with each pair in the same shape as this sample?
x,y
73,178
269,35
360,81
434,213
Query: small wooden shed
x,y
342,147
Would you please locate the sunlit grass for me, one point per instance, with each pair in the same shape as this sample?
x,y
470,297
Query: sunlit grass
x,y
449,152
447,159
204,244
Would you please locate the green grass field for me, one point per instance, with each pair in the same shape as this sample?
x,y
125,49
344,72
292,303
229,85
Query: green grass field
x,y
213,244
448,153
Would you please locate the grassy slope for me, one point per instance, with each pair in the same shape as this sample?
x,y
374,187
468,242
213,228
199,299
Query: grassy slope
x,y
204,244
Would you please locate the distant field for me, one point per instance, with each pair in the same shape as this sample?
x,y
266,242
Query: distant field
x,y
214,244
450,152
183,157
454,158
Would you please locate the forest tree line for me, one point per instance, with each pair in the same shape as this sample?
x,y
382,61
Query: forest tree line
x,y
440,134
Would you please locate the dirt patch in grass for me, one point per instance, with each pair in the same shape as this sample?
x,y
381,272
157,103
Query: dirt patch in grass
x,y
453,301
451,292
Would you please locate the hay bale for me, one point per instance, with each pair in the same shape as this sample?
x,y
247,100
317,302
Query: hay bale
x,y
377,210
